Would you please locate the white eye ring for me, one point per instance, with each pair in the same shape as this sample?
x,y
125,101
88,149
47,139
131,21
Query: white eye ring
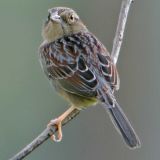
x,y
71,18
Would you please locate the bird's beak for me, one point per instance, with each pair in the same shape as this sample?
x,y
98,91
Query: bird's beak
x,y
55,17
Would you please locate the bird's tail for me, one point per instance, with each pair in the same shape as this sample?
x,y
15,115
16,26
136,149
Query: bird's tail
x,y
123,126
120,121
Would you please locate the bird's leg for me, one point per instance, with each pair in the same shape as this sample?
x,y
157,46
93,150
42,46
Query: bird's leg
x,y
58,123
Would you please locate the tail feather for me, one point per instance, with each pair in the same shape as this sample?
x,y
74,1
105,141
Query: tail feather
x,y
123,126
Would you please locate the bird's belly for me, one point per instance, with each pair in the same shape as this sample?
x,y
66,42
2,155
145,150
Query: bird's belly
x,y
77,100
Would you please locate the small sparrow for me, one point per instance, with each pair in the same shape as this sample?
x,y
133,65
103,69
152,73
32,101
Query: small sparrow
x,y
80,68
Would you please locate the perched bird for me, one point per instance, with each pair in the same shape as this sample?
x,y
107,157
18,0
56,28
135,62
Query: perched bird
x,y
80,68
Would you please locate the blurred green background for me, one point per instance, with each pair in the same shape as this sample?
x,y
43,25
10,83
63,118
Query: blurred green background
x,y
28,102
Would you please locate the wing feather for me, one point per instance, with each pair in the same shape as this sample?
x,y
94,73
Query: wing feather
x,y
78,62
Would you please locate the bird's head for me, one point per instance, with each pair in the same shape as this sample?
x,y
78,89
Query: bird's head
x,y
61,21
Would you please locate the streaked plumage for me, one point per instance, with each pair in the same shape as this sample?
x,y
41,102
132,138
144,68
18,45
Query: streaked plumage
x,y
80,67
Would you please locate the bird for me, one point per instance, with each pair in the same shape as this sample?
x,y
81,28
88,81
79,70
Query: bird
x,y
81,70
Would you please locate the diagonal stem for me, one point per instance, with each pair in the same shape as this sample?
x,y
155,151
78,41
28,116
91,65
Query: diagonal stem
x,y
46,134
125,6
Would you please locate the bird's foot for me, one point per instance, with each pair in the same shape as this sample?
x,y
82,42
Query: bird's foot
x,y
57,123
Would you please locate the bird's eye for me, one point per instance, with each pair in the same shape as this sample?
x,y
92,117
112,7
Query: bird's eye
x,y
71,18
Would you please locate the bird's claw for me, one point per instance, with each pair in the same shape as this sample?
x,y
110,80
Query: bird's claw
x,y
58,123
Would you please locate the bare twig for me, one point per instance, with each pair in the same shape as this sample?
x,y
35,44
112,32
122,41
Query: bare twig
x,y
125,6
48,132
34,144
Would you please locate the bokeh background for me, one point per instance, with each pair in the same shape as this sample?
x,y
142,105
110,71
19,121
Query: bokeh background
x,y
27,101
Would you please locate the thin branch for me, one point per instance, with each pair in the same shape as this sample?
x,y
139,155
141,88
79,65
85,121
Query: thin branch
x,y
46,134
34,144
125,6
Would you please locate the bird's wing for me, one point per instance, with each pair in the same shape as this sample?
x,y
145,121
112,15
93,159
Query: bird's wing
x,y
64,62
77,62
